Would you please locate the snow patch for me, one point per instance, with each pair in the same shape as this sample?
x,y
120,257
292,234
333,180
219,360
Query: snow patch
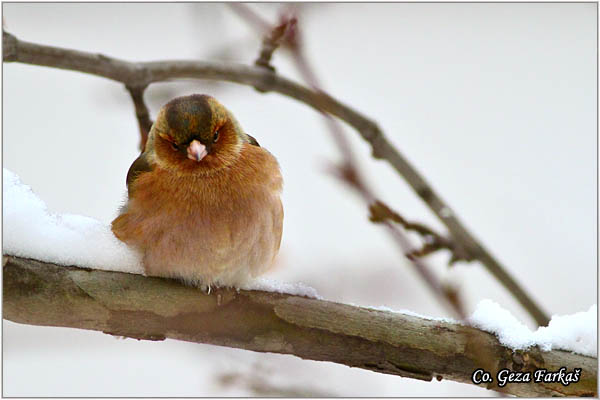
x,y
270,285
31,231
414,314
576,332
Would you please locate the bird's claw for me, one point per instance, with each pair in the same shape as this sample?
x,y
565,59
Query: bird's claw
x,y
205,288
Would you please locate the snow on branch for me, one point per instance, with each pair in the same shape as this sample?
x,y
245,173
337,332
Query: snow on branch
x,y
32,231
577,332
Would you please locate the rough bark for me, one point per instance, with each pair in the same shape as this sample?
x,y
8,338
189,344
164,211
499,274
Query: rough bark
x,y
135,306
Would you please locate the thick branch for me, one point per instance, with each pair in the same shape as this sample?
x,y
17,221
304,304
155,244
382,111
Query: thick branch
x,y
140,307
141,74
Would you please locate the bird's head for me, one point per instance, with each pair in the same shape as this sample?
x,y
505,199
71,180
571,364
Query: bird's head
x,y
195,134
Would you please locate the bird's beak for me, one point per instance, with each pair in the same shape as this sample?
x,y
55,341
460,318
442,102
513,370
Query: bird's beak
x,y
196,151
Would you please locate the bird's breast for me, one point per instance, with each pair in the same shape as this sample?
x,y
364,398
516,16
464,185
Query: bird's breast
x,y
197,224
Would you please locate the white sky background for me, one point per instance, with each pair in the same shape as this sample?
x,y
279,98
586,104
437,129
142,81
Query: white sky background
x,y
494,103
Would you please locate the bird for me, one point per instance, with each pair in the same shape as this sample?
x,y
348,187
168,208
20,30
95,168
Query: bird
x,y
203,198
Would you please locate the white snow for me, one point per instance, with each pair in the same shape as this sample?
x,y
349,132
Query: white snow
x,y
270,285
414,314
576,332
31,231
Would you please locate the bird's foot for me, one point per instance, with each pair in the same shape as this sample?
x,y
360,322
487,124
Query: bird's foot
x,y
205,288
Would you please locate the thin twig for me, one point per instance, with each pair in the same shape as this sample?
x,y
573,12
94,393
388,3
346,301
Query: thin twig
x,y
348,170
349,174
467,247
145,73
434,241
141,113
272,41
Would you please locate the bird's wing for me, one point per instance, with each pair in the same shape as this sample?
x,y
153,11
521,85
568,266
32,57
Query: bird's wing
x,y
139,166
252,140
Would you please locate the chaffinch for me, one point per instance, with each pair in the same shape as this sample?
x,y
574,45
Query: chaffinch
x,y
203,198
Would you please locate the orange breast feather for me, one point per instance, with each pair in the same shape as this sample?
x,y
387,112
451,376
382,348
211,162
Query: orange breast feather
x,y
221,229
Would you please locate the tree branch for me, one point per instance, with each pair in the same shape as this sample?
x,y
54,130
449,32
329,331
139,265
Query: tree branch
x,y
141,74
141,113
381,212
135,306
271,42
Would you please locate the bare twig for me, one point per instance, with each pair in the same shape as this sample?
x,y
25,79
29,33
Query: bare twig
x,y
147,308
141,113
140,74
271,41
462,243
272,37
348,174
348,170
434,241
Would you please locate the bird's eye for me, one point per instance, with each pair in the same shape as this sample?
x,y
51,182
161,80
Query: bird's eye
x,y
216,136
174,146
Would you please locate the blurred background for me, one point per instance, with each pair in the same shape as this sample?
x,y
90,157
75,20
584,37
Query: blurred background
x,y
495,104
